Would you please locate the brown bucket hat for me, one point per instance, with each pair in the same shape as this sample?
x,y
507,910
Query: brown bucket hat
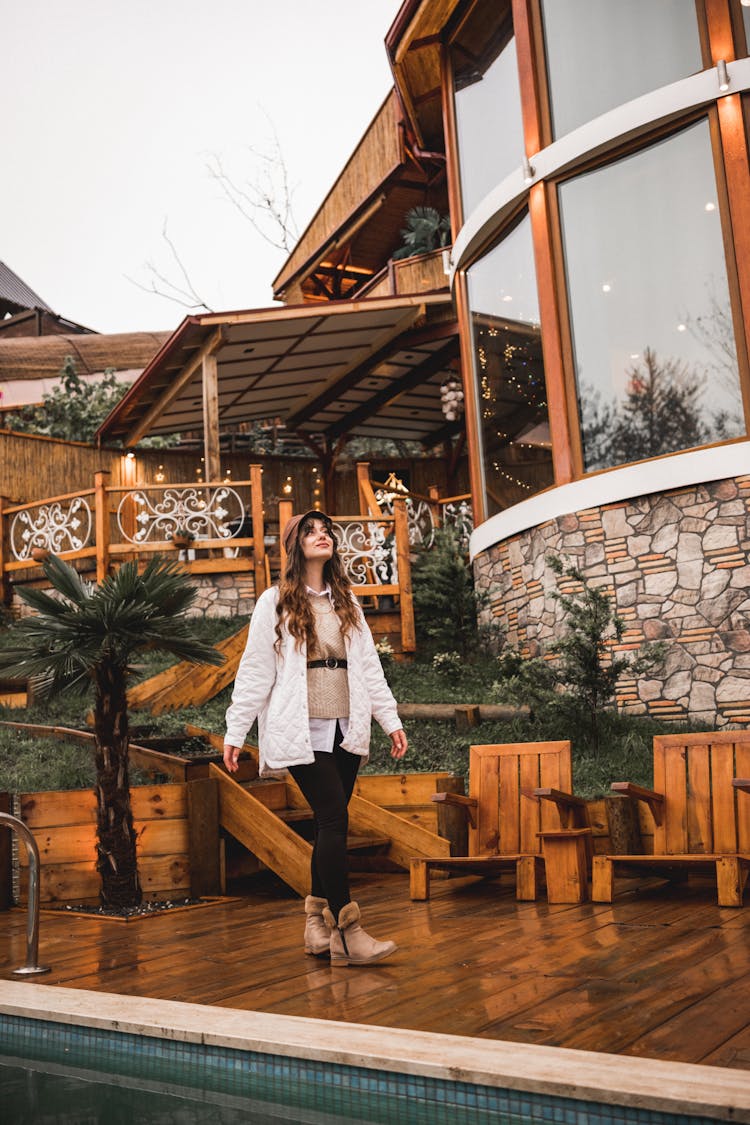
x,y
292,528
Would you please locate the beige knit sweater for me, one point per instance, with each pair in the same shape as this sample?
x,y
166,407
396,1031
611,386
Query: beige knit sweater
x,y
327,688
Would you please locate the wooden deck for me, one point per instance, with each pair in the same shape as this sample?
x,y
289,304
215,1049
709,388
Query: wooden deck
x,y
659,973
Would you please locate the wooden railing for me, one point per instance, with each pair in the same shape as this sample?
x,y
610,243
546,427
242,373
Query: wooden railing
x,y
111,524
375,552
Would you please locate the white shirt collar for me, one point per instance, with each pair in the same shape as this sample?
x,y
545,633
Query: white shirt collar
x,y
320,593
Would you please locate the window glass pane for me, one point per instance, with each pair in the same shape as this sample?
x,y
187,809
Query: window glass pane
x,y
656,365
746,21
514,424
602,53
488,101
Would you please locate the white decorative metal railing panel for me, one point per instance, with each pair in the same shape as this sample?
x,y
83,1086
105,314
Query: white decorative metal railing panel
x,y
64,525
199,512
419,517
368,552
460,516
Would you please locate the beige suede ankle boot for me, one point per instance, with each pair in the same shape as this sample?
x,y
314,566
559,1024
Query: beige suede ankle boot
x,y
350,944
317,934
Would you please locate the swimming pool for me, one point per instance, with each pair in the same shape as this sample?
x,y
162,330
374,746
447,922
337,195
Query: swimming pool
x,y
226,1065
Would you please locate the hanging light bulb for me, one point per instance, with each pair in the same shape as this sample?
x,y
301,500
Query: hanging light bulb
x,y
452,398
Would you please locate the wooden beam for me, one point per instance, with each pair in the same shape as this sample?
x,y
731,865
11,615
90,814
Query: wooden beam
x,y
418,375
406,600
170,393
101,523
407,840
263,833
259,543
351,374
211,451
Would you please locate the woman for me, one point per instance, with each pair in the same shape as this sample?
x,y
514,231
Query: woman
x,y
311,676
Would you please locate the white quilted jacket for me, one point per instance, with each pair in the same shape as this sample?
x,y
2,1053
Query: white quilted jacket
x,y
272,687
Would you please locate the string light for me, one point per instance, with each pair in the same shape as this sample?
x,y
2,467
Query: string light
x,y
160,474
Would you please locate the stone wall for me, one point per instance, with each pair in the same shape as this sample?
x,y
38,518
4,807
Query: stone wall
x,y
219,595
678,567
223,595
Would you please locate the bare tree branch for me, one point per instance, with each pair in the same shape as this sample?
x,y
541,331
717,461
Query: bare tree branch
x,y
163,286
266,200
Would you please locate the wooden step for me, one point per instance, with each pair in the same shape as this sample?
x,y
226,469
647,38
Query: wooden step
x,y
292,815
361,843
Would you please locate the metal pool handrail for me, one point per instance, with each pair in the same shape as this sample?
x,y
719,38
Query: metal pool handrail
x,y
32,966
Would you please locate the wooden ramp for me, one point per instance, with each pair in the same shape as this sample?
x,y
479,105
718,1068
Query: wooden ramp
x,y
260,814
189,685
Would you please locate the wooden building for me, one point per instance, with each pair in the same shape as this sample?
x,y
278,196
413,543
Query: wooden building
x,y
595,162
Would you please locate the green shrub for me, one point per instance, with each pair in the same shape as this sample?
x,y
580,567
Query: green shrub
x,y
445,601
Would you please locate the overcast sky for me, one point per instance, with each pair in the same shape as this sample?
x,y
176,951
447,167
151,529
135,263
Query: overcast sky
x,y
113,110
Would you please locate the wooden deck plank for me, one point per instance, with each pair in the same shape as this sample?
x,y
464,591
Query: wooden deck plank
x,y
638,976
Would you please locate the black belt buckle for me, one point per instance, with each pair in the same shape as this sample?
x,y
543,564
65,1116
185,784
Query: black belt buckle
x,y
331,662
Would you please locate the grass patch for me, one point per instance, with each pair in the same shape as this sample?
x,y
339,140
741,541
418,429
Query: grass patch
x,y
626,754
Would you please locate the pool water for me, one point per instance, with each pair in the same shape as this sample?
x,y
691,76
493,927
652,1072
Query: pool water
x,y
30,1096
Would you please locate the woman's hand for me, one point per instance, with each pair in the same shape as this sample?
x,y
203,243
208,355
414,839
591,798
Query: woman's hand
x,y
399,744
231,757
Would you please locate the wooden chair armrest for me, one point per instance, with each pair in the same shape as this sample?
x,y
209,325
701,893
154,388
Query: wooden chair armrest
x,y
654,800
570,809
468,804
742,783
567,800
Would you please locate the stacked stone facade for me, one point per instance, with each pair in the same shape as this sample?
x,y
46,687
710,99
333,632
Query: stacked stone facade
x,y
223,595
677,566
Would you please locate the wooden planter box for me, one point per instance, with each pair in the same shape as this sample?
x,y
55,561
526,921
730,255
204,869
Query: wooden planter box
x,y
64,826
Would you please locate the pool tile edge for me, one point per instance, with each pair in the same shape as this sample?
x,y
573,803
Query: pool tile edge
x,y
667,1087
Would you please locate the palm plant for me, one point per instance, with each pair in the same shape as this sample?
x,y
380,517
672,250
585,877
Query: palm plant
x,y
426,229
85,635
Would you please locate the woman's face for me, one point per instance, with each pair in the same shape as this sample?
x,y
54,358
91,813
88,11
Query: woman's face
x,y
316,540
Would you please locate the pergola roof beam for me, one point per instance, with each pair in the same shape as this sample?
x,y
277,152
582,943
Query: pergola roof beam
x,y
419,374
170,393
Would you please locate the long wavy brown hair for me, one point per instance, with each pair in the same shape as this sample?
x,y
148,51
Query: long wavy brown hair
x,y
293,607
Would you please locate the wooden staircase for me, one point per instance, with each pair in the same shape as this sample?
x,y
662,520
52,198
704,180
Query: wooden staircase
x,y
271,817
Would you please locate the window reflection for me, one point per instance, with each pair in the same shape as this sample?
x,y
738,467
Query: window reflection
x,y
488,101
601,54
655,357
509,370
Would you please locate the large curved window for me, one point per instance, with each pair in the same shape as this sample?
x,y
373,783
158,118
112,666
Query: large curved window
x,y
655,359
509,370
487,98
603,54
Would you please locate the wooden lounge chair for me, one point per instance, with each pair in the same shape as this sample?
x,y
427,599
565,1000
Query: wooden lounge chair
x,y
701,817
521,813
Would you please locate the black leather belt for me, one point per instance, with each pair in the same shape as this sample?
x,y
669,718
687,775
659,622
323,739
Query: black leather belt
x,y
329,662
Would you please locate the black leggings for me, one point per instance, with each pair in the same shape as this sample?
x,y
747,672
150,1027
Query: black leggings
x,y
327,785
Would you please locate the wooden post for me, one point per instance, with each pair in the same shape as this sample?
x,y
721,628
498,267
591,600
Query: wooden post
x,y
624,826
286,511
203,837
101,523
368,505
467,716
6,858
434,494
211,451
259,528
452,821
6,595
408,637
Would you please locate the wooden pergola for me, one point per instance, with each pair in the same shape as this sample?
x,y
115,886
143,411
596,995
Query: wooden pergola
x,y
369,368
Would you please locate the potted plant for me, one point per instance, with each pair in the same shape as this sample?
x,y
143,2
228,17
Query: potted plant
x,y
181,536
